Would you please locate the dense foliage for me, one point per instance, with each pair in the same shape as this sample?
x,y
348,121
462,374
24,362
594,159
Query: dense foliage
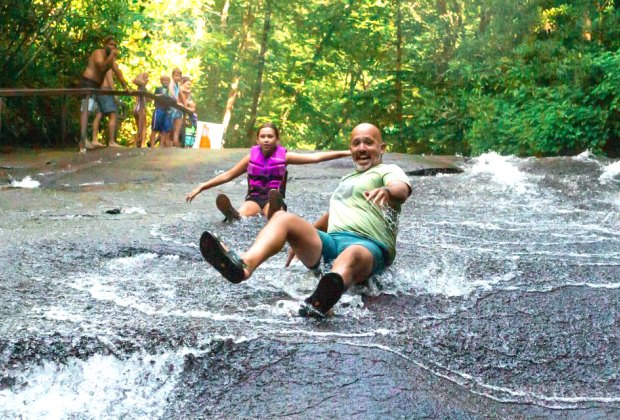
x,y
527,77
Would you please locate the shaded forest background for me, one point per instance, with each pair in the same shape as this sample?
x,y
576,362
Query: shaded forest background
x,y
524,77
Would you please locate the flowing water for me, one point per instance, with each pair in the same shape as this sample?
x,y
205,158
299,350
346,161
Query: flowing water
x,y
504,300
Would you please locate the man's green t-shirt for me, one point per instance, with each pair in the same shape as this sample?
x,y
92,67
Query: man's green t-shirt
x,y
350,212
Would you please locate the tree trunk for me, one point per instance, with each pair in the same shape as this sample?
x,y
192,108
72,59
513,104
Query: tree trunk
x,y
259,76
48,33
451,25
485,20
441,7
236,78
26,38
587,26
224,15
600,8
400,140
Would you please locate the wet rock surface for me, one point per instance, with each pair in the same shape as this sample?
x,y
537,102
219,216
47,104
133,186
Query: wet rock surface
x,y
503,300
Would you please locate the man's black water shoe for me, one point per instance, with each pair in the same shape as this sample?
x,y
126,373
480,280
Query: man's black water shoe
x,y
327,293
227,262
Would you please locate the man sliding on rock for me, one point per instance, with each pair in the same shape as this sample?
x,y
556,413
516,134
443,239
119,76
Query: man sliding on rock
x,y
358,234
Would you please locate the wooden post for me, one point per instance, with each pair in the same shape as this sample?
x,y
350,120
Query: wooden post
x,y
84,124
1,100
138,141
63,120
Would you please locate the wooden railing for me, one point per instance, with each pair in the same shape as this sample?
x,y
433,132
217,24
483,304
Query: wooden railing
x,y
85,93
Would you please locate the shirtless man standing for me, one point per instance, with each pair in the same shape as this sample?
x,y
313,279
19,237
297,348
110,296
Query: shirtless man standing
x,y
97,76
108,83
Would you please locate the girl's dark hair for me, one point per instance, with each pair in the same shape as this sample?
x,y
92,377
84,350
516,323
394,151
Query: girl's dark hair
x,y
269,125
185,79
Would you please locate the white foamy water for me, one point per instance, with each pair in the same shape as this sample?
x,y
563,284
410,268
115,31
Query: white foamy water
x,y
88,184
59,314
127,279
503,394
133,210
327,334
100,387
611,173
27,182
445,279
502,169
157,232
586,156
134,261
552,288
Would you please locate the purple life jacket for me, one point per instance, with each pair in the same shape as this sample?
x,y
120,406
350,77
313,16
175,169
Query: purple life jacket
x,y
265,174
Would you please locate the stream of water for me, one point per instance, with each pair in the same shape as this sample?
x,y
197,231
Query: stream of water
x,y
506,287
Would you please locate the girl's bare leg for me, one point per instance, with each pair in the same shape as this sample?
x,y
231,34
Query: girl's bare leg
x,y
249,209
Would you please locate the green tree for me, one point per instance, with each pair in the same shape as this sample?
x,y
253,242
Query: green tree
x,y
535,77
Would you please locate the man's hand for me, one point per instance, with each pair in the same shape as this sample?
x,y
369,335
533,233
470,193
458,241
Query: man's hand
x,y
291,256
379,196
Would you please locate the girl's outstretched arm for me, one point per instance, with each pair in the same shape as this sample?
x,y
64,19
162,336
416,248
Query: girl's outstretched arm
x,y
301,159
227,176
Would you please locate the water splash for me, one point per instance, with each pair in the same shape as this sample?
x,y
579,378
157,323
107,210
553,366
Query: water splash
x,y
585,156
502,169
611,173
133,210
27,182
101,386
471,246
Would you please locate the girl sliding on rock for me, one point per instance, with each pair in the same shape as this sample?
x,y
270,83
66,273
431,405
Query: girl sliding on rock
x,y
266,169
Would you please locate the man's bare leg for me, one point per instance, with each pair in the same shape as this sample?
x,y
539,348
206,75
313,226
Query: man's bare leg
x,y
84,121
354,265
96,122
284,227
112,130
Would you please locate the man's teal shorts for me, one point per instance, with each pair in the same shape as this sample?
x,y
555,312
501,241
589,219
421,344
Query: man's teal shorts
x,y
336,242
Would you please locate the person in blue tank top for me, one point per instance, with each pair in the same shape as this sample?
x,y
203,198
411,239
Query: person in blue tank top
x,y
266,169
